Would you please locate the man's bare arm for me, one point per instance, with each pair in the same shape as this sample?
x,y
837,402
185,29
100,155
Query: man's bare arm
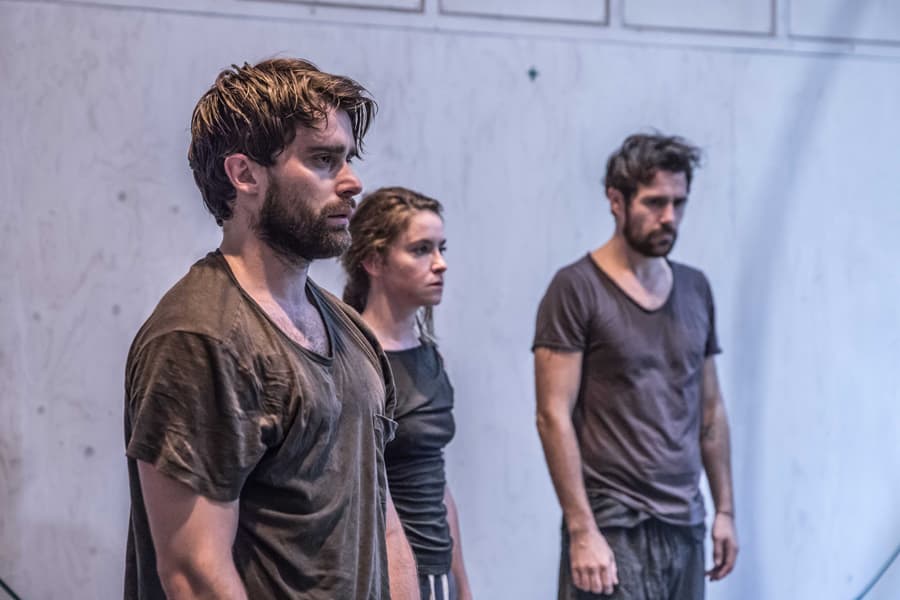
x,y
715,446
557,380
457,565
193,538
402,574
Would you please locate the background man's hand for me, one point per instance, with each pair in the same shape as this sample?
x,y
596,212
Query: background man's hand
x,y
593,563
725,546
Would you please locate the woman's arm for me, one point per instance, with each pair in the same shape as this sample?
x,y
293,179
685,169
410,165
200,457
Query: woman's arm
x,y
457,566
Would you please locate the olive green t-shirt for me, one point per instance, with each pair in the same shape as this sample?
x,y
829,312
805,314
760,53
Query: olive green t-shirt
x,y
220,399
639,406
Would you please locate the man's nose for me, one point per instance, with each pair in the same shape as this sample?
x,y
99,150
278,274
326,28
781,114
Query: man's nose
x,y
668,213
349,184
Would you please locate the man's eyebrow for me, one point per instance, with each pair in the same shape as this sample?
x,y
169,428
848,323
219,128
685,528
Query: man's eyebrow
x,y
656,197
333,149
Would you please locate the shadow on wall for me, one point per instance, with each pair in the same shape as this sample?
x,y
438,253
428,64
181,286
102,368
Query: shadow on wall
x,y
767,237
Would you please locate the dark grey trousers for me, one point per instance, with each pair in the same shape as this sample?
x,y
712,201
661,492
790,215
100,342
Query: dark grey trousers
x,y
654,560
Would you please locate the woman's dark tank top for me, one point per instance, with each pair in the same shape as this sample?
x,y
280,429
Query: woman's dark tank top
x,y
415,457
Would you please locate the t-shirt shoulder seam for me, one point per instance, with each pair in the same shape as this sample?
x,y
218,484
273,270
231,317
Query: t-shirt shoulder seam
x,y
578,268
687,269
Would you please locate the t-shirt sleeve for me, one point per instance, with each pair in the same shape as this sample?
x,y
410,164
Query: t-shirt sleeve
x,y
390,399
195,414
563,316
712,338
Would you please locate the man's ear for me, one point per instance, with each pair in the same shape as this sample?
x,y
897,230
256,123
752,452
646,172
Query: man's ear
x,y
616,202
244,174
373,264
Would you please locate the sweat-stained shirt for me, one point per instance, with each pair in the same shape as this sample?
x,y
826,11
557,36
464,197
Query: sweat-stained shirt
x,y
219,398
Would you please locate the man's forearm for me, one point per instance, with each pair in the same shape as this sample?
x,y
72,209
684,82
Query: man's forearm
x,y
402,574
715,445
564,463
199,579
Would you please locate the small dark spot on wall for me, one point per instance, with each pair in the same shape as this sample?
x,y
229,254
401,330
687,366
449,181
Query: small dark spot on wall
x,y
41,409
122,196
533,73
116,309
36,317
88,451
92,551
174,209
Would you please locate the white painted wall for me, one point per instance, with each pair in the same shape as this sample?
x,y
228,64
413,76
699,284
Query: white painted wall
x,y
794,218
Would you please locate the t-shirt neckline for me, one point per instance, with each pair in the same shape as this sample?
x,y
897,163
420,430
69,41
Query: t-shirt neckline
x,y
604,275
326,360
411,350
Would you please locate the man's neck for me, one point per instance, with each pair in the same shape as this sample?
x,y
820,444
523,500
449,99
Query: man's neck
x,y
394,326
619,257
263,273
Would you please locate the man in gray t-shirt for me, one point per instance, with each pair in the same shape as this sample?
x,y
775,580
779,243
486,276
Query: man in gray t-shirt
x,y
629,407
257,406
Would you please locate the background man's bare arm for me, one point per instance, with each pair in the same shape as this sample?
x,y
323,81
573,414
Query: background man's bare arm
x,y
715,446
193,538
557,380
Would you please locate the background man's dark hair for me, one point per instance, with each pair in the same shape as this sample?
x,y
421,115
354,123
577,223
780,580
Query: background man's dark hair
x,y
255,110
641,156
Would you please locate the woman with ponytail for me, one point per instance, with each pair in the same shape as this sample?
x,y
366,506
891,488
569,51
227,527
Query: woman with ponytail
x,y
395,275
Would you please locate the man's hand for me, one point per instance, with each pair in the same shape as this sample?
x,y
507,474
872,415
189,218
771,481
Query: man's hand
x,y
725,546
592,561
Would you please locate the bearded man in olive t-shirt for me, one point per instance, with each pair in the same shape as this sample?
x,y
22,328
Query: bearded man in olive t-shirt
x,y
629,408
257,405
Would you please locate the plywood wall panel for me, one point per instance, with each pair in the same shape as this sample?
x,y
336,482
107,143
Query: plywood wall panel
x,y
738,16
792,217
864,20
578,11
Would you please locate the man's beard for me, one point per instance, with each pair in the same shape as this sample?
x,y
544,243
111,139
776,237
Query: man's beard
x,y
288,226
646,245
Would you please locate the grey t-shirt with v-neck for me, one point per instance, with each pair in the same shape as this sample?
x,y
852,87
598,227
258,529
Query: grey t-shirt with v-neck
x,y
221,400
639,406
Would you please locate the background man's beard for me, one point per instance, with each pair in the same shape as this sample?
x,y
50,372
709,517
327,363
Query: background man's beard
x,y
645,246
293,231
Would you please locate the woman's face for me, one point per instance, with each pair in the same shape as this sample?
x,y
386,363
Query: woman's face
x,y
413,268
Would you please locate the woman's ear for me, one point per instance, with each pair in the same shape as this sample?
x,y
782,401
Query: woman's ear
x,y
244,174
373,263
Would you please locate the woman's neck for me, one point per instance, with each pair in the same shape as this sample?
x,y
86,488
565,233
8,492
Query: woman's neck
x,y
395,326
